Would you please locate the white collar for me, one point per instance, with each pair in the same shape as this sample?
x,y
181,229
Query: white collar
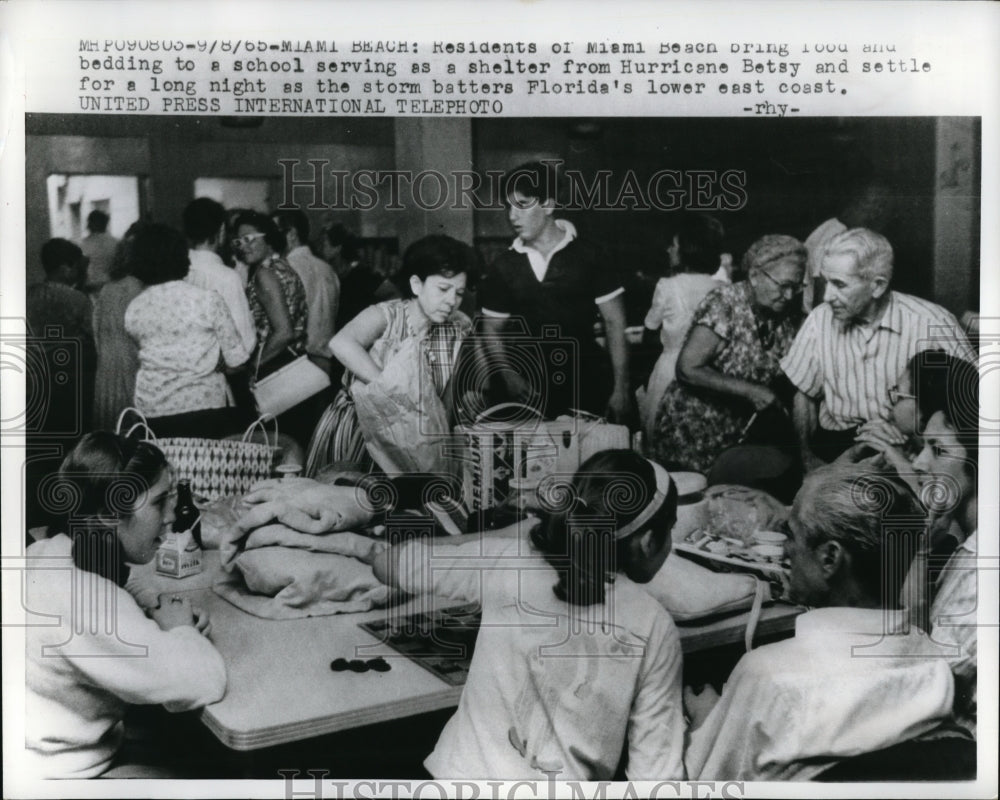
x,y
205,257
569,234
840,620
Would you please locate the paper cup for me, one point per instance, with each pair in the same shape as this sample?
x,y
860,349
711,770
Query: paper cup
x,y
769,537
772,552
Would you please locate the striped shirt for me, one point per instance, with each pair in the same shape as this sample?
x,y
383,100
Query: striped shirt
x,y
850,368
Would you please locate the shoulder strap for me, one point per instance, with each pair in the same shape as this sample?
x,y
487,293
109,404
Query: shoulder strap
x,y
754,616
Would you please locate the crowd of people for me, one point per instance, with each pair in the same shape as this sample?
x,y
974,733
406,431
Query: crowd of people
x,y
854,390
180,323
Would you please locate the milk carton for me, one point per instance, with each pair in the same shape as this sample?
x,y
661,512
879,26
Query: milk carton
x,y
179,555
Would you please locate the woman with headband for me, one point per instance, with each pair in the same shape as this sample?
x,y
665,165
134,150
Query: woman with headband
x,y
575,666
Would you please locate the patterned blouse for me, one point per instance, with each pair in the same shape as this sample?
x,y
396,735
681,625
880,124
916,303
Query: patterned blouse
x,y
294,295
694,425
182,331
441,340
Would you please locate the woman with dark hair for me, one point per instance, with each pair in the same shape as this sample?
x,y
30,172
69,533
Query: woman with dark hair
x,y
115,496
274,290
186,337
948,466
939,393
117,353
575,666
920,390
694,264
730,359
437,268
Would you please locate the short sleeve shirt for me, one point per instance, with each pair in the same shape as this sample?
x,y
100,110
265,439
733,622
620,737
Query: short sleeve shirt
x,y
181,332
578,275
850,368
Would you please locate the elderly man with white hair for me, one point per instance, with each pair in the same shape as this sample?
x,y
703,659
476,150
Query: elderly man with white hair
x,y
856,678
851,348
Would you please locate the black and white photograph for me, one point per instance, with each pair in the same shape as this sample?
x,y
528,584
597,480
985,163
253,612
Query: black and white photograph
x,y
568,408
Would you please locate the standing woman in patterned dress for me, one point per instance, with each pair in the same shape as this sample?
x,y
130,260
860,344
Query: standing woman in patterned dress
x,y
731,357
117,354
277,302
274,290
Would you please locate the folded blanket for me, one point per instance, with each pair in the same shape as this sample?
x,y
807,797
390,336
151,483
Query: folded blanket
x,y
290,583
290,554
344,543
303,505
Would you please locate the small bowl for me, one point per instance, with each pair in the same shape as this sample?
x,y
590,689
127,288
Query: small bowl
x,y
771,552
769,537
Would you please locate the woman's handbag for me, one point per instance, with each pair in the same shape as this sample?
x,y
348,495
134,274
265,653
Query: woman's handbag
x,y
287,387
215,467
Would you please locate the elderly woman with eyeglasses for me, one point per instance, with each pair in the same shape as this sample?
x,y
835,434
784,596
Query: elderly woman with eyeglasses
x,y
275,292
731,356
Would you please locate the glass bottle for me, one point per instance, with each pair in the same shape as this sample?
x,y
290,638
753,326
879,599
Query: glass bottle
x,y
187,517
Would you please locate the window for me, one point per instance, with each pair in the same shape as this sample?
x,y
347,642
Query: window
x,y
73,197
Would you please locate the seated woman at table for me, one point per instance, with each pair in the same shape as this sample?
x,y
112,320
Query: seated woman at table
x,y
81,676
730,359
573,660
437,269
186,339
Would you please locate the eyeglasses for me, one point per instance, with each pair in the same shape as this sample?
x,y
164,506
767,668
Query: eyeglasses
x,y
786,289
245,239
895,395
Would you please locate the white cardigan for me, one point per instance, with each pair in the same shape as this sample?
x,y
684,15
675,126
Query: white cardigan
x,y
99,654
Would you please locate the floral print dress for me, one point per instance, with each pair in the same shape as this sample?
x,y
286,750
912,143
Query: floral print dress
x,y
694,425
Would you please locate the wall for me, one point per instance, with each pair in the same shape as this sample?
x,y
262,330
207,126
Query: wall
x,y
957,214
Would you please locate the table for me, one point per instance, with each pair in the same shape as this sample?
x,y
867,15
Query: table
x,y
281,687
